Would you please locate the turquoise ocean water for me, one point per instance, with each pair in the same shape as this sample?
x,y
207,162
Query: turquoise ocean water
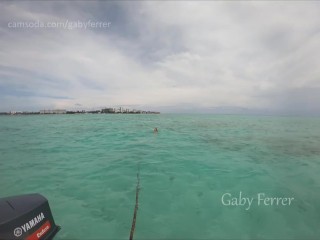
x,y
86,166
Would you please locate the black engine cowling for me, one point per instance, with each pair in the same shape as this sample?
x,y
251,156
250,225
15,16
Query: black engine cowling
x,y
26,217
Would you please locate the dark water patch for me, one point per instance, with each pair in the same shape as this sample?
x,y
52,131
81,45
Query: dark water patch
x,y
171,178
200,194
294,148
5,130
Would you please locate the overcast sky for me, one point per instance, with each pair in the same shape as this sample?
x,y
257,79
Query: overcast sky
x,y
168,56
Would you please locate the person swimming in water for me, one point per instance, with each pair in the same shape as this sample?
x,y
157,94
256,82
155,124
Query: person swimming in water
x,y
155,130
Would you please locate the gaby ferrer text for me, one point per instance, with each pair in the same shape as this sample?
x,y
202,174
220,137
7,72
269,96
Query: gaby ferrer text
x,y
228,199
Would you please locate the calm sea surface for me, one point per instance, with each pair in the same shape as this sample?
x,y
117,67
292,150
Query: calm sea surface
x,y
86,165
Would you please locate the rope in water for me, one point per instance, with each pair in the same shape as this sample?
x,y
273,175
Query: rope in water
x,y
133,226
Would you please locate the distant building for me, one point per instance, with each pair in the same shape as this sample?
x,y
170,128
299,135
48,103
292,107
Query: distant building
x,y
55,111
94,111
107,110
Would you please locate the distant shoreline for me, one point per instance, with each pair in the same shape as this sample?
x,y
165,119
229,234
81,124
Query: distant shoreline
x,y
63,111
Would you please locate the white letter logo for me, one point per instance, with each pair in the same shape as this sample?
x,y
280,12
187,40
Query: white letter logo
x,y
17,232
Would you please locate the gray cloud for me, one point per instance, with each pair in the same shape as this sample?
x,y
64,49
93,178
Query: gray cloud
x,y
163,55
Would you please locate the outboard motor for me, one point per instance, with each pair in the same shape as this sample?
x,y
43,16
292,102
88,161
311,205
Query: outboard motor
x,y
26,217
